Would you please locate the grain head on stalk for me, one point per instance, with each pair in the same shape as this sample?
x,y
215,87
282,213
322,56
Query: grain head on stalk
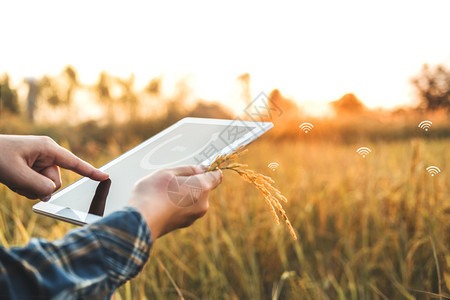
x,y
263,183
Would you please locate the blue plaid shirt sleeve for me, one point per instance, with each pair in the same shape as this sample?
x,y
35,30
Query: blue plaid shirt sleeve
x,y
89,262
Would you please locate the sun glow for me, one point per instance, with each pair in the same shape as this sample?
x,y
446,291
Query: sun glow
x,y
315,51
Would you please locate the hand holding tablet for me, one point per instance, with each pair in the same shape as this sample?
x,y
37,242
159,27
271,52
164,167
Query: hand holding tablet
x,y
166,200
191,141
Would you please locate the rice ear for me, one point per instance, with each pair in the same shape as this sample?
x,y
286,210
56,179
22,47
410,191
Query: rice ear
x,y
261,182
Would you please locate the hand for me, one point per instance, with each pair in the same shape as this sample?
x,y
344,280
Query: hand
x,y
173,198
29,165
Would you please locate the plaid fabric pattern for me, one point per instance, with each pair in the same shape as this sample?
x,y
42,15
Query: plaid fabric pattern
x,y
88,263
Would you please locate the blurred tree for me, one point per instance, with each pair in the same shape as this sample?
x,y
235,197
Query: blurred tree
x,y
48,90
53,93
283,106
103,91
154,86
118,96
433,87
128,97
243,81
8,97
33,92
176,106
204,109
71,77
349,104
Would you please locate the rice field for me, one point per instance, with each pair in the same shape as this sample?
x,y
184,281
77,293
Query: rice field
x,y
368,228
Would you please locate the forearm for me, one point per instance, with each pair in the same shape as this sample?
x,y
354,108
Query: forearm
x,y
92,261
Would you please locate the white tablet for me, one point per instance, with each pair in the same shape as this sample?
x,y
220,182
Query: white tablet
x,y
189,141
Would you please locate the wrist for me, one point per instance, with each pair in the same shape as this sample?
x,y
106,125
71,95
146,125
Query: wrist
x,y
152,220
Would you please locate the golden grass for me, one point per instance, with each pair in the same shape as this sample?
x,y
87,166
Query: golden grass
x,y
373,228
261,182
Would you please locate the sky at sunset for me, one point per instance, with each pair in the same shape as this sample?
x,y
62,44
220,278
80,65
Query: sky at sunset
x,y
313,51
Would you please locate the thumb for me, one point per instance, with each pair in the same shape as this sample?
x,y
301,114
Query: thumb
x,y
187,170
32,184
211,179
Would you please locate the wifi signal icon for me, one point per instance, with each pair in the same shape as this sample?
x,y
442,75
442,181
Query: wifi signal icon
x,y
425,125
273,166
363,151
432,170
306,127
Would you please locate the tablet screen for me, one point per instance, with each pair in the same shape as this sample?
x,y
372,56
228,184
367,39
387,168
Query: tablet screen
x,y
181,144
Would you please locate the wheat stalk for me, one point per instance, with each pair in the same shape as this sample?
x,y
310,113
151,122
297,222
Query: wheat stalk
x,y
261,182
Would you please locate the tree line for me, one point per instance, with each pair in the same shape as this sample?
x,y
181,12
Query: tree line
x,y
119,99
117,96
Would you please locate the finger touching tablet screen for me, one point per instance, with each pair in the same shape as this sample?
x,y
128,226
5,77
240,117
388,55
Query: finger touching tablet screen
x,y
189,141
